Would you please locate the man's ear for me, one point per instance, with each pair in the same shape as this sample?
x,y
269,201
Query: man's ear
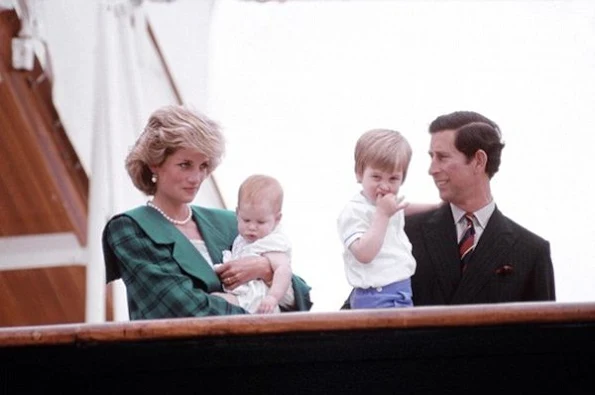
x,y
482,160
278,217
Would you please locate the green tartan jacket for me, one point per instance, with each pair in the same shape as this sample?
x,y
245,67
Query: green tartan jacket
x,y
165,275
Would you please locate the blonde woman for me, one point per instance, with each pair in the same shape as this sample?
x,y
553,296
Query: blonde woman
x,y
164,251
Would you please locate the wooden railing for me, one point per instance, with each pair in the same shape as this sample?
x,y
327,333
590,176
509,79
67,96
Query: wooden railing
x,y
537,347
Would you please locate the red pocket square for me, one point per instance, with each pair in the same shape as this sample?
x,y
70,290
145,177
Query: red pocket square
x,y
505,270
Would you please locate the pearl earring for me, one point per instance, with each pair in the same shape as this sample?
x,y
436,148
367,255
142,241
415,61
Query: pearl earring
x,y
154,178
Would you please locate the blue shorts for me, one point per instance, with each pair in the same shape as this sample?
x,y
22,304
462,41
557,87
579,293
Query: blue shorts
x,y
397,294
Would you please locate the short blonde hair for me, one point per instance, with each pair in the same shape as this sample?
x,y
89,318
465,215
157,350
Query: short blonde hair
x,y
259,187
384,149
169,129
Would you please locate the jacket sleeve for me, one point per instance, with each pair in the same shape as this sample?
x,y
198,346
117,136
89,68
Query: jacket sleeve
x,y
542,285
301,291
156,285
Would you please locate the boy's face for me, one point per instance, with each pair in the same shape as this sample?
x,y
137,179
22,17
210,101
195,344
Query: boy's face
x,y
256,220
377,183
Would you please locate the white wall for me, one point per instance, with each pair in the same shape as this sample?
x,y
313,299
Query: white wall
x,y
295,84
71,30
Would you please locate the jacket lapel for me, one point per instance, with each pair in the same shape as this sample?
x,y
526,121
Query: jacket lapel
x,y
184,253
490,253
216,238
441,237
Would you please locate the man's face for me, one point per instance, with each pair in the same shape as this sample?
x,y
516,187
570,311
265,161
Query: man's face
x,y
455,176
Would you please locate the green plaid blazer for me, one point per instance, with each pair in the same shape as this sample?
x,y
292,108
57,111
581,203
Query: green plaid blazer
x,y
165,276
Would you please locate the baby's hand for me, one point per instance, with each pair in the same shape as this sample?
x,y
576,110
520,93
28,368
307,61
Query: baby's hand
x,y
389,204
267,305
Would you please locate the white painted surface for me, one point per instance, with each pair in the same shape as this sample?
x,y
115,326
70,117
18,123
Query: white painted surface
x,y
43,250
294,83
297,82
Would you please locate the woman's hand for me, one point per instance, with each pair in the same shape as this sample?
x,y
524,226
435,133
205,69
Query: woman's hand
x,y
237,272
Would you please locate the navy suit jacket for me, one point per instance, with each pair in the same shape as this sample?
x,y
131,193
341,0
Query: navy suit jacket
x,y
509,263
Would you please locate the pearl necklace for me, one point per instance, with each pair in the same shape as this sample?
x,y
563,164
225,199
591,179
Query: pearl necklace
x,y
170,219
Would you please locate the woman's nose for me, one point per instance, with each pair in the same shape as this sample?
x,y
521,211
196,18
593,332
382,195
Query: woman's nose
x,y
196,176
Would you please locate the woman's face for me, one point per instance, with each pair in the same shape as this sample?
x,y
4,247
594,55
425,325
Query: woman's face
x,y
180,176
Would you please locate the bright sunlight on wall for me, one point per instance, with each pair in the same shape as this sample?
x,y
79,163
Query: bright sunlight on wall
x,y
295,83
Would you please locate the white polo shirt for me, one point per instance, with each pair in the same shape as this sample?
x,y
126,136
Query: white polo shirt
x,y
394,261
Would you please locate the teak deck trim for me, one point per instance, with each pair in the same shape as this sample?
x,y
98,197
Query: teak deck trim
x,y
417,317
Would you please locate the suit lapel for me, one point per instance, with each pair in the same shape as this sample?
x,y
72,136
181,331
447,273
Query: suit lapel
x,y
441,237
490,253
184,253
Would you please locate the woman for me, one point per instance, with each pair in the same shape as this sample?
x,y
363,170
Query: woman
x,y
165,251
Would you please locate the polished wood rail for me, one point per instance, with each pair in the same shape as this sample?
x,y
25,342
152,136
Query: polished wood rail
x,y
537,347
419,317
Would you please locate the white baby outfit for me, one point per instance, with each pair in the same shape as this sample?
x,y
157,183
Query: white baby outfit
x,y
251,293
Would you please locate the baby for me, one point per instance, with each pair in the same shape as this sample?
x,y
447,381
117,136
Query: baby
x,y
260,200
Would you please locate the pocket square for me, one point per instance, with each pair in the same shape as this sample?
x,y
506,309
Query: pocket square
x,y
504,270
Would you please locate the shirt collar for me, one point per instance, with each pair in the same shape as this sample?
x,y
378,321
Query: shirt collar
x,y
482,215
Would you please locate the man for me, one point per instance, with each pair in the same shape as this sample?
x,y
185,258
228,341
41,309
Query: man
x,y
467,251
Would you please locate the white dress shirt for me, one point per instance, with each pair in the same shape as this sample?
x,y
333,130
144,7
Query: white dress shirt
x,y
480,220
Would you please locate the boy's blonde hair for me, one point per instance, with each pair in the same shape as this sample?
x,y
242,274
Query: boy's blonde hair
x,y
260,187
383,149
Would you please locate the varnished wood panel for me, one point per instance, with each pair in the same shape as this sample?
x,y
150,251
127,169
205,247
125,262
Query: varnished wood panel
x,y
43,187
43,296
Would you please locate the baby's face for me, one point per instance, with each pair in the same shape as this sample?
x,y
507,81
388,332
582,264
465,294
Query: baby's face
x,y
256,220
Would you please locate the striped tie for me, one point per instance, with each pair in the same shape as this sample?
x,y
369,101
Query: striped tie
x,y
467,241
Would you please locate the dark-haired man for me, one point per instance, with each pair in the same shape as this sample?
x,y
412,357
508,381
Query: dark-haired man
x,y
467,251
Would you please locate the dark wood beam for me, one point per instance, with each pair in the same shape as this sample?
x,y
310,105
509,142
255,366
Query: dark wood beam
x,y
516,348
